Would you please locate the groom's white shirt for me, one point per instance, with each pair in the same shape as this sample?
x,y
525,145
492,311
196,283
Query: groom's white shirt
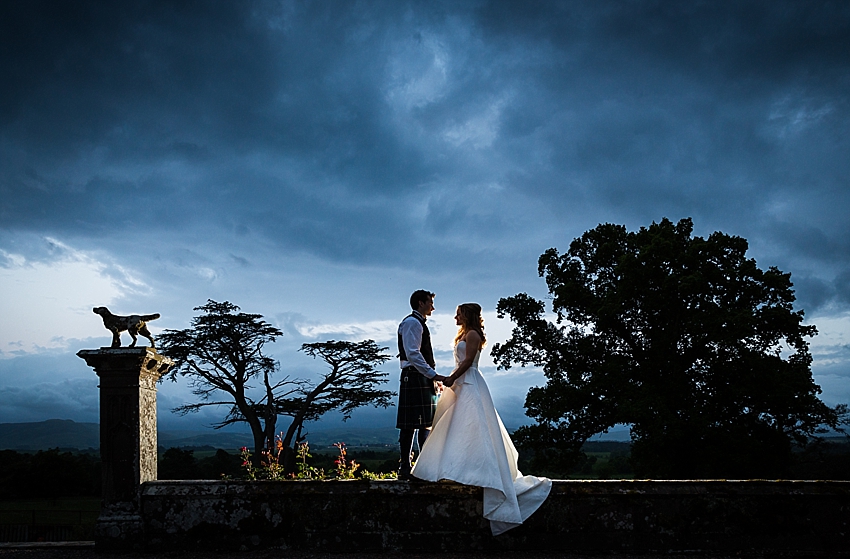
x,y
411,337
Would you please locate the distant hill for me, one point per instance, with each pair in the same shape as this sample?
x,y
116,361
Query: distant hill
x,y
65,433
215,439
68,434
352,436
318,438
62,433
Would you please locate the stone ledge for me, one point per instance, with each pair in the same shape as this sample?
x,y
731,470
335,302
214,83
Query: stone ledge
x,y
579,516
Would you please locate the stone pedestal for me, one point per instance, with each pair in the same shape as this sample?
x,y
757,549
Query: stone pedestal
x,y
128,447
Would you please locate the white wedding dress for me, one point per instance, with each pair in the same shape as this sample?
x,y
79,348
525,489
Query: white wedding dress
x,y
469,444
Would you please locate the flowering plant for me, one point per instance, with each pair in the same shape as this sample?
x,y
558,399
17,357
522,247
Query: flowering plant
x,y
271,465
250,473
305,471
344,468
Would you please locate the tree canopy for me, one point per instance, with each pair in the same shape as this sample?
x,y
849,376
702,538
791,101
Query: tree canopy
x,y
351,381
683,338
221,354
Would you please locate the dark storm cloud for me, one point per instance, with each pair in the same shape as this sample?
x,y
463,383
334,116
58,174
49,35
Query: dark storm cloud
x,y
689,100
842,286
358,132
158,110
733,113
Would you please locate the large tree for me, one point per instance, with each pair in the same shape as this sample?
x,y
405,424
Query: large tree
x,y
683,338
221,354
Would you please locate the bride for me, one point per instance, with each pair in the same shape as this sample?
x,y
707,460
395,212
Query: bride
x,y
468,442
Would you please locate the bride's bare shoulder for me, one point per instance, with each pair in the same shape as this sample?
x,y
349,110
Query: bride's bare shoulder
x,y
472,337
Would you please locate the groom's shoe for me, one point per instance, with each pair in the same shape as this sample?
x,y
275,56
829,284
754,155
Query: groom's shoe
x,y
407,476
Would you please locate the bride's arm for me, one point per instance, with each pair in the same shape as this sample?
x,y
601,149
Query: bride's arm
x,y
473,344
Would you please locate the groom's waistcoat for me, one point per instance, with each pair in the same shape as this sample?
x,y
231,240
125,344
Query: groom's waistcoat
x,y
425,348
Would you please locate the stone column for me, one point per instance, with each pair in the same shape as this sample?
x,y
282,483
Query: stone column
x,y
128,446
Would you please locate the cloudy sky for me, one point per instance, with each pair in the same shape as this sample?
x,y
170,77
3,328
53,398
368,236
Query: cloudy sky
x,y
315,162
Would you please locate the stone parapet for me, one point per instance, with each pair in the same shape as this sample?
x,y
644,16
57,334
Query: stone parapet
x,y
579,516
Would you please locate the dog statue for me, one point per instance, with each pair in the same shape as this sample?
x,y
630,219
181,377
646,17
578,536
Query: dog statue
x,y
134,324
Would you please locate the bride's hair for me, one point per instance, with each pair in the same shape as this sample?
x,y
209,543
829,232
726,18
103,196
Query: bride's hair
x,y
470,319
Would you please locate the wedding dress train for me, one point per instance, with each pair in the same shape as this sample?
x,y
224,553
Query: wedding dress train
x,y
469,444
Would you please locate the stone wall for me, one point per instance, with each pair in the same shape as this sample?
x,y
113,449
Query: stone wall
x,y
595,516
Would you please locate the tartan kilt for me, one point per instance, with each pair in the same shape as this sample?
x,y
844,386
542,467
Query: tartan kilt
x,y
417,400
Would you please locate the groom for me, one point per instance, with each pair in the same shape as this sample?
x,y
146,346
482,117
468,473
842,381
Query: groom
x,y
417,395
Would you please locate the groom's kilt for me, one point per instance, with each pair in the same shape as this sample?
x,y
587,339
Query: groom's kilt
x,y
417,400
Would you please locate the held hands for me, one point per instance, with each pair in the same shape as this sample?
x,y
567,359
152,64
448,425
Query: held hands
x,y
449,381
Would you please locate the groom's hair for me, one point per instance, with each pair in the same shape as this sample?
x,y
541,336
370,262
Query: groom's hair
x,y
420,295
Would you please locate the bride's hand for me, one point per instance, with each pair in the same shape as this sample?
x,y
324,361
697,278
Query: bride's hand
x,y
449,381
